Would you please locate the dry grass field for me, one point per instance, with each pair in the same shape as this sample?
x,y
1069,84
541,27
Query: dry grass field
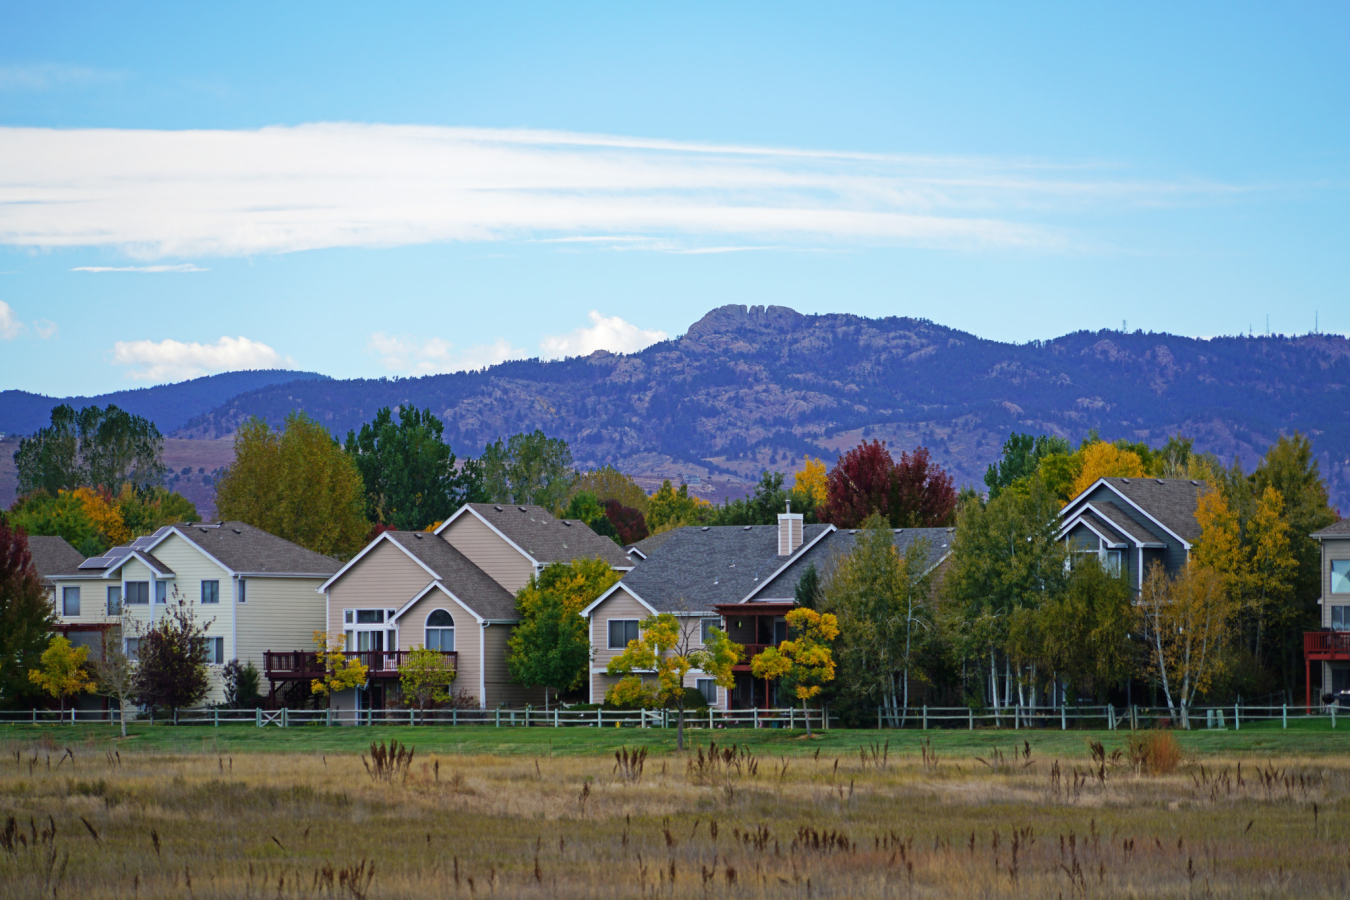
x,y
93,819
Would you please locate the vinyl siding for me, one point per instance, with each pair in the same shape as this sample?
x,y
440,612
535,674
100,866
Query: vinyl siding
x,y
486,549
500,690
1332,548
281,614
619,605
386,578
412,633
1174,557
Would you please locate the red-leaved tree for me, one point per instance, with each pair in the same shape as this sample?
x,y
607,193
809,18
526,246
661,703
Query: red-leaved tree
x,y
26,618
628,522
912,493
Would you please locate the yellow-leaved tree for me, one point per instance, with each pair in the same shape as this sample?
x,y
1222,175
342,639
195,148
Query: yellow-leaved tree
x,y
1185,621
342,672
63,671
814,480
1103,460
805,663
665,646
1271,569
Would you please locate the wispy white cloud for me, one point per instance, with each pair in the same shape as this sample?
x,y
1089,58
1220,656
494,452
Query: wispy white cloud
x,y
431,356
178,267
158,194
45,329
605,333
10,326
170,359
47,76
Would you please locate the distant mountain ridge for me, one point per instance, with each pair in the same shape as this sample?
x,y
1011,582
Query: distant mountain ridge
x,y
169,406
754,387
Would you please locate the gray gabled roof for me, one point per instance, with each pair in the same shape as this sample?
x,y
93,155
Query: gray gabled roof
x,y
1122,522
52,555
701,567
460,576
826,553
1339,529
1103,527
1171,501
549,539
251,550
649,545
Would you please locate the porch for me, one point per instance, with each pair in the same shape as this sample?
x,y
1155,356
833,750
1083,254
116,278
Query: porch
x,y
756,627
1322,646
300,665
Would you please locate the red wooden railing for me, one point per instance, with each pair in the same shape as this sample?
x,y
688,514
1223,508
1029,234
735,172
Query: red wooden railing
x,y
307,664
1326,644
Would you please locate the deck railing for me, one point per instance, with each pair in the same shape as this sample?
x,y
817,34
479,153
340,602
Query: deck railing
x,y
299,664
1326,644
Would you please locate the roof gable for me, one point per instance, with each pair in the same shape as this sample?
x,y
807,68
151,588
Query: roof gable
x,y
53,555
825,555
1168,503
542,537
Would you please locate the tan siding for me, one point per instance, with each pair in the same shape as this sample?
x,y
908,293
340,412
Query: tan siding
x,y
486,549
618,605
386,578
281,614
191,567
500,690
412,633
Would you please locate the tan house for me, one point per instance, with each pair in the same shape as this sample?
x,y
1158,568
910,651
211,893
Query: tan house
x,y
1330,647
739,578
453,591
247,588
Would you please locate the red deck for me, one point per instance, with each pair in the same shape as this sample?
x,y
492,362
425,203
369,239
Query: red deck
x,y
1322,646
297,665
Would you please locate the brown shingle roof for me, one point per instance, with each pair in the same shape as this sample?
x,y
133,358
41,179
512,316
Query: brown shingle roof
x,y
548,539
459,575
53,555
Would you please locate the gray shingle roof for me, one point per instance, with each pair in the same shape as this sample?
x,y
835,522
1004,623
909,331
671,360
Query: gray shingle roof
x,y
701,567
1172,501
1104,527
53,555
459,575
549,539
825,555
1122,522
1340,529
244,548
649,545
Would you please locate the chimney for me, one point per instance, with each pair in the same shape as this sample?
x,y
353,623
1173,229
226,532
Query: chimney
x,y
789,531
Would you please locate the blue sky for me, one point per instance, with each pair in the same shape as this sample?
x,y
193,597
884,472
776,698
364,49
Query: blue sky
x,y
187,189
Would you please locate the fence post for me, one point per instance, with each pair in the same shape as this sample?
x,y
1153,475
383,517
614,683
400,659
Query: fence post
x,y
1237,718
710,718
756,712
216,717
257,716
1284,716
600,718
925,717
1063,715
971,710
175,715
285,716
328,717
498,713
1333,716
878,718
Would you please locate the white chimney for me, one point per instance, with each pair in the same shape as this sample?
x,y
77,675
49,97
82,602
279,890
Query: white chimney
x,y
789,531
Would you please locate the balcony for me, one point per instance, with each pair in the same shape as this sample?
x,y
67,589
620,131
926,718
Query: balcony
x,y
298,665
1326,645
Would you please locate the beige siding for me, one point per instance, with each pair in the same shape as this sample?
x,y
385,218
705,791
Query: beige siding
x,y
386,578
281,614
93,601
500,690
412,633
486,549
191,567
1332,549
618,605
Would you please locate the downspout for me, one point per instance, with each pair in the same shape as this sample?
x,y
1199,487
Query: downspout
x,y
234,620
482,666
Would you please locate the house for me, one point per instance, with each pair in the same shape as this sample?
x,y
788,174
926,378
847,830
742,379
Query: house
x,y
451,590
52,554
247,588
1330,647
739,578
1131,523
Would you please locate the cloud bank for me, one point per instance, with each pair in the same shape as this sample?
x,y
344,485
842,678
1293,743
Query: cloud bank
x,y
156,194
10,326
171,360
605,333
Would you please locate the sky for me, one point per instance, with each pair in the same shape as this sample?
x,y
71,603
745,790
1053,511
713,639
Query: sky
x,y
392,190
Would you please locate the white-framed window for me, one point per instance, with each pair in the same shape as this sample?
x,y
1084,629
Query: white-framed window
x,y
1340,618
136,592
708,688
210,591
1113,561
348,616
243,591
621,631
440,631
215,651
114,599
70,601
133,648
706,626
369,616
1340,576
161,592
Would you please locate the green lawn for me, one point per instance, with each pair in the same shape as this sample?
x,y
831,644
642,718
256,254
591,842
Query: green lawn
x,y
1259,739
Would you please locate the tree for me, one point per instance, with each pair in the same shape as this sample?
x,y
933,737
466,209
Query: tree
x,y
26,617
63,671
341,672
529,469
114,672
881,603
628,522
805,663
242,683
670,508
63,515
90,447
425,677
1102,460
608,483
94,519
763,506
1184,621
807,593
922,493
813,482
297,484
665,645
1022,456
912,492
407,468
550,647
171,663
1271,569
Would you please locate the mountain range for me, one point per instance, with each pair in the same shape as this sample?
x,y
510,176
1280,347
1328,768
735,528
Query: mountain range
x,y
749,388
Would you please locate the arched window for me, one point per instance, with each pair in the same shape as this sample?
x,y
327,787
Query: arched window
x,y
440,631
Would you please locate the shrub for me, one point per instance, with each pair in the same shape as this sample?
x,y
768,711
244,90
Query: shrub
x,y
1154,752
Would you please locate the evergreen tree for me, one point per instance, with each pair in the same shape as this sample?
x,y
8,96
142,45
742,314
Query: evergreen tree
x,y
407,468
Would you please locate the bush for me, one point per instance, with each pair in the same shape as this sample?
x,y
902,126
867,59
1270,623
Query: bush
x,y
1154,752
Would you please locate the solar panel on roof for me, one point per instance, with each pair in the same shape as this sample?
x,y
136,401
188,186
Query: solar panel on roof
x,y
97,562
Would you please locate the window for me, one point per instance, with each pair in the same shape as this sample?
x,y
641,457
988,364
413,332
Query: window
x,y
707,626
161,592
1340,576
369,616
440,631
780,630
621,631
347,616
370,640
243,594
1114,561
210,591
1340,618
137,592
215,651
133,651
70,601
114,599
708,688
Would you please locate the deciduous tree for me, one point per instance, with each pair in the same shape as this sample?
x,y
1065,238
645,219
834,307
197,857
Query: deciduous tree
x,y
1185,622
114,672
670,508
805,663
608,483
63,671
1022,456
813,482
26,617
1103,460
912,492
528,469
425,677
407,469
171,663
90,447
550,646
341,672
